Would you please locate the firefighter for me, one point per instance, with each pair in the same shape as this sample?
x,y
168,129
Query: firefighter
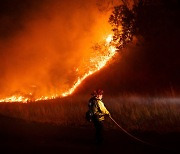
x,y
99,112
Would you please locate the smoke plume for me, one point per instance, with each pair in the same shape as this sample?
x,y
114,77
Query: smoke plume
x,y
45,46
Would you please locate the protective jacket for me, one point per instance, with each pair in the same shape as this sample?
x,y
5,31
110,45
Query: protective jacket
x,y
98,108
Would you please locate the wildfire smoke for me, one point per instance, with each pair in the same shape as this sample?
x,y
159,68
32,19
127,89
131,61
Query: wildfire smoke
x,y
52,53
99,62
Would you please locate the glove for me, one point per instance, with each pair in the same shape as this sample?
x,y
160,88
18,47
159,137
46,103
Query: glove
x,y
109,115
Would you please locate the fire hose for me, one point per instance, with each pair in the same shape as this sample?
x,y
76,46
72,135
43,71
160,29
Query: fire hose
x,y
147,143
129,133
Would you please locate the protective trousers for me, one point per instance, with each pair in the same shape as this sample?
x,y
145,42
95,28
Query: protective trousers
x,y
99,130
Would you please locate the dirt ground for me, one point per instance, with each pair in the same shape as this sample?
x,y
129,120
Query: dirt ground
x,y
18,136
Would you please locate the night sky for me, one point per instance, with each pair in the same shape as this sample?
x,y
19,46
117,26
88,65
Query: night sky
x,y
42,41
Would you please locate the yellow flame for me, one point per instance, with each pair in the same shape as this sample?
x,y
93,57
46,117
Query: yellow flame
x,y
109,38
14,99
25,99
100,63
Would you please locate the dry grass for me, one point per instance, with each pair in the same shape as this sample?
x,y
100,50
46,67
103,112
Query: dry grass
x,y
146,114
132,112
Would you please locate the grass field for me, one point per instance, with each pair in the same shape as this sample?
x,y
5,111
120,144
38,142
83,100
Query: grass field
x,y
132,112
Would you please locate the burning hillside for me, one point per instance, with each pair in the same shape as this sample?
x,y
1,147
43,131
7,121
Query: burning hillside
x,y
96,63
55,50
49,48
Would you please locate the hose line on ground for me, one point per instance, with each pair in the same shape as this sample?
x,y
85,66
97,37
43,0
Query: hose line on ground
x,y
136,137
129,133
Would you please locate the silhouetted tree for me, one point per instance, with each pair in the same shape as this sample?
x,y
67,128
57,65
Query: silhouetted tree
x,y
123,22
147,18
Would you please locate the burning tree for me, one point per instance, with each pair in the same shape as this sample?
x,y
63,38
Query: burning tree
x,y
128,21
122,20
145,18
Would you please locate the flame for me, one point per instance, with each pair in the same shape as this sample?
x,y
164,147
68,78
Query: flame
x,y
14,99
100,62
109,38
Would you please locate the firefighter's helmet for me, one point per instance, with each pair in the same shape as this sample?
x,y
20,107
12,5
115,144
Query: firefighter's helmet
x,y
97,92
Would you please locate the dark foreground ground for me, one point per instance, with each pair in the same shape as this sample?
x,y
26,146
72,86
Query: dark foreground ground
x,y
18,136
